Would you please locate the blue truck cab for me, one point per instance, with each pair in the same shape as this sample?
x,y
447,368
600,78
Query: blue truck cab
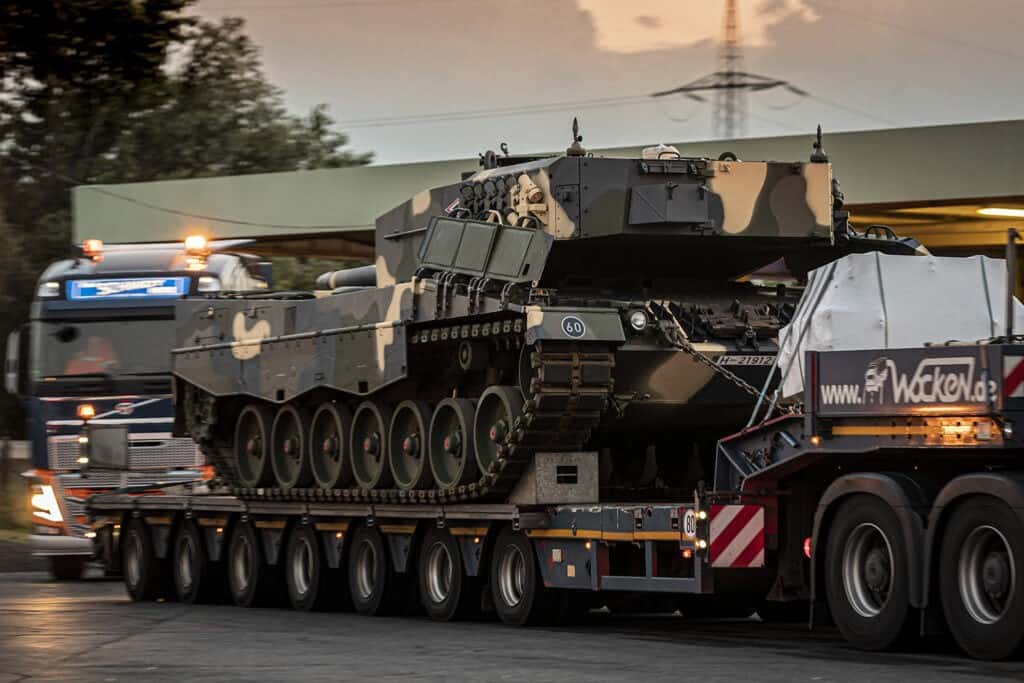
x,y
97,347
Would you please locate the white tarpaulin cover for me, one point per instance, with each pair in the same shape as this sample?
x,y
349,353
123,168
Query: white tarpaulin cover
x,y
880,301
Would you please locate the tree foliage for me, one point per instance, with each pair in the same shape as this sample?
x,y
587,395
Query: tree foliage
x,y
98,91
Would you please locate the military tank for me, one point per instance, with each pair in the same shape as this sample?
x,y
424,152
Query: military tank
x,y
569,303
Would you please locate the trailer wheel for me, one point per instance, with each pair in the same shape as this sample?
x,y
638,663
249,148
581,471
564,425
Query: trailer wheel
x,y
251,580
376,588
145,576
980,577
307,575
252,446
446,592
867,579
196,579
518,591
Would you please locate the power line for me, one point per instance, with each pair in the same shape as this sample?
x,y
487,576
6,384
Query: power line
x,y
412,119
930,35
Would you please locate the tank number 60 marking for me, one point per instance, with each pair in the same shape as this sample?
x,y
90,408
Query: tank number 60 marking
x,y
573,327
690,524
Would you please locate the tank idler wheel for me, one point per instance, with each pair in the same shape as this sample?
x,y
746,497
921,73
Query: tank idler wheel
x,y
376,588
288,452
451,443
328,446
196,579
446,592
252,446
981,578
496,413
369,445
867,574
251,580
517,587
145,576
407,445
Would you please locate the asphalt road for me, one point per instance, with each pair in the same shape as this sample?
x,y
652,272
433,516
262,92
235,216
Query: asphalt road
x,y
90,631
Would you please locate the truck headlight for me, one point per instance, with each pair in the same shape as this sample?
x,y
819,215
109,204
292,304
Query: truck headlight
x,y
44,503
48,290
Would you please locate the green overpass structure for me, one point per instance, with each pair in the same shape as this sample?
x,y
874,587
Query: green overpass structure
x,y
930,182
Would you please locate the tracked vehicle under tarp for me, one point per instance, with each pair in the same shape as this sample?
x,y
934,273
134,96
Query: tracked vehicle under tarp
x,y
571,304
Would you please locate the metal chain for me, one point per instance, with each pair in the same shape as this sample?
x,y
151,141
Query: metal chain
x,y
676,336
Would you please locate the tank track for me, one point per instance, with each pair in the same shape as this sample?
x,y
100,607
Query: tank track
x,y
567,396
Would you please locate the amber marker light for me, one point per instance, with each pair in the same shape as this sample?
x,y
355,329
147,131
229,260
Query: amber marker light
x,y
86,411
815,440
93,249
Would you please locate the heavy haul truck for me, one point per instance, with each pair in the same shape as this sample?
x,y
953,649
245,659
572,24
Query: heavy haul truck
x,y
519,411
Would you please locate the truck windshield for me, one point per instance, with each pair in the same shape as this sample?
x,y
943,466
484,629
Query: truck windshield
x,y
109,348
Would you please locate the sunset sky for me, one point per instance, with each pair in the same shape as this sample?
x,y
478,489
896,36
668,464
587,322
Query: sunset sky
x,y
384,65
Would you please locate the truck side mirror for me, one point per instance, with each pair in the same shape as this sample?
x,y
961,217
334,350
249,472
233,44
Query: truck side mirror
x,y
15,372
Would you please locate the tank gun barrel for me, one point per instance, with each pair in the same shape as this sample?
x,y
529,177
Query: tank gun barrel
x,y
363,276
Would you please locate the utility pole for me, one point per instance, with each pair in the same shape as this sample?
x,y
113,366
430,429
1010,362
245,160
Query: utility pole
x,y
730,84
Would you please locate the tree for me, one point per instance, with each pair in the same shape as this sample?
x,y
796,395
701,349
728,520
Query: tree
x,y
91,94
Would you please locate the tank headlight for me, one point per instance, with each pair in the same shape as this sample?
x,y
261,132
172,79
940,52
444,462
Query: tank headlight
x,y
48,290
208,283
1007,430
638,320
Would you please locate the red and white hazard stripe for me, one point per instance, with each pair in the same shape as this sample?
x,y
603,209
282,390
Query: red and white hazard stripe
x,y
737,535
1013,376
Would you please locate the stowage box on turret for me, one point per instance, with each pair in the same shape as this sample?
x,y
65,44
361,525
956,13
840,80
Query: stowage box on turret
x,y
623,307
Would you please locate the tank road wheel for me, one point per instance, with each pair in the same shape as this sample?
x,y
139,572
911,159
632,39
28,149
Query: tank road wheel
x,y
376,588
517,588
867,574
145,576
369,446
451,443
445,590
196,579
288,451
251,580
496,413
328,444
252,446
981,577
407,445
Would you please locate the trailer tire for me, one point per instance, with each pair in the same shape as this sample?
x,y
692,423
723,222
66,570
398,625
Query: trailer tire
x,y
446,592
376,588
196,579
66,567
306,573
252,582
145,576
982,550
520,597
867,574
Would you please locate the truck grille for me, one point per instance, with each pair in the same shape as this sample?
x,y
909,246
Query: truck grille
x,y
97,482
146,452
